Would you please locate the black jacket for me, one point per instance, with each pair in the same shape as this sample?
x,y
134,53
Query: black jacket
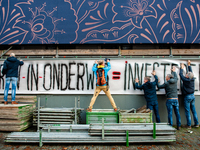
x,y
149,90
10,67
188,84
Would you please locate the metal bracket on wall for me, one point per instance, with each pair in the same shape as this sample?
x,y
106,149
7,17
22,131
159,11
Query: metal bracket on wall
x,y
75,110
57,52
119,51
170,53
79,106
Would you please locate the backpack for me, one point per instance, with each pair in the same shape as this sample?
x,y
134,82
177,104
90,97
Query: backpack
x,y
101,80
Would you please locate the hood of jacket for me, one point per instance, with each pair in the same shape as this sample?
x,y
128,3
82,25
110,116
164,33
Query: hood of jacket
x,y
148,84
100,66
172,81
12,59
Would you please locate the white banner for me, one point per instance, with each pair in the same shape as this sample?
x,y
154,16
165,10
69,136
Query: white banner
x,y
76,76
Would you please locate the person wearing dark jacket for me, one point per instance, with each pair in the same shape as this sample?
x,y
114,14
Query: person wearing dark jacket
x,y
10,69
150,94
188,93
170,86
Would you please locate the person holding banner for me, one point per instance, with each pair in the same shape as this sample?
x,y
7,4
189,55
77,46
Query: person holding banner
x,y
150,94
188,93
170,86
10,68
101,72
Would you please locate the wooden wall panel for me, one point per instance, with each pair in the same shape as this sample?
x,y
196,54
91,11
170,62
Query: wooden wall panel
x,y
186,52
102,52
143,52
88,52
32,52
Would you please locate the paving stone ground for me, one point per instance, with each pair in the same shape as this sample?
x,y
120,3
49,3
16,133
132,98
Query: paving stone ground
x,y
185,141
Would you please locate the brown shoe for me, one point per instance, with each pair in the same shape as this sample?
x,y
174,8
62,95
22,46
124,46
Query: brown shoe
x,y
196,126
89,110
178,128
115,109
5,103
188,127
13,102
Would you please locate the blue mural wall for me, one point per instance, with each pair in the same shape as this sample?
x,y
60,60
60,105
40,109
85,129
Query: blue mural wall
x,y
99,21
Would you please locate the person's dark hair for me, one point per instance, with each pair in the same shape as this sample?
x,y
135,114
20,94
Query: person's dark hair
x,y
147,78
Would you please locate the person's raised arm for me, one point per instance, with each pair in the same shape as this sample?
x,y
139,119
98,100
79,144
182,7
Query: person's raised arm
x,y
189,66
175,78
138,86
158,85
21,62
155,76
108,65
161,86
183,78
94,68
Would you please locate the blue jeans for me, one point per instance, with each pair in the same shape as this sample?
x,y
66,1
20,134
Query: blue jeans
x,y
189,102
154,106
173,103
13,80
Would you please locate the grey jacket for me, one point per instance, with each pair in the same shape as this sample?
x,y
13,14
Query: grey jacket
x,y
170,86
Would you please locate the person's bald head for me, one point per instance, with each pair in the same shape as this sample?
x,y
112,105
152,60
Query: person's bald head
x,y
12,54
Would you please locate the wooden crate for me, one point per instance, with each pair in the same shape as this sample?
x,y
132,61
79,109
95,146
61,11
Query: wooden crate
x,y
135,117
97,114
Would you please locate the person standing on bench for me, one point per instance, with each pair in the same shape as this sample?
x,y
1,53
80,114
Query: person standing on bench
x,y
188,93
150,94
10,68
170,86
101,71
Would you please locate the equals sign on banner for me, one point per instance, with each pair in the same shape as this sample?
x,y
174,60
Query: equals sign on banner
x,y
116,75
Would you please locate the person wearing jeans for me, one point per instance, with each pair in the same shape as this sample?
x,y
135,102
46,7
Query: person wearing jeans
x,y
170,86
188,92
10,68
150,94
13,81
173,104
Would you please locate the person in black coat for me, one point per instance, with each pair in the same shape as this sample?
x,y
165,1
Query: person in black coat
x,y
150,94
10,69
188,93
